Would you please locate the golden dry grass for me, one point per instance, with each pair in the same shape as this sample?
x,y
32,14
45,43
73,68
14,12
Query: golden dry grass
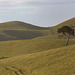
x,y
60,61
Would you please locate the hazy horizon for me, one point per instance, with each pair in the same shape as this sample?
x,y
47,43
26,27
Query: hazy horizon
x,y
37,12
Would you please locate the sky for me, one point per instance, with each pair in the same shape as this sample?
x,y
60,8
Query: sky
x,y
44,13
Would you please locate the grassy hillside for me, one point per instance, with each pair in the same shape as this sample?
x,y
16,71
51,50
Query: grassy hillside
x,y
18,25
47,37
16,30
70,22
60,61
23,47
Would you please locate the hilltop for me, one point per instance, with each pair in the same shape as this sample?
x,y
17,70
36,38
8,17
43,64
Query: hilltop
x,y
70,22
18,25
67,23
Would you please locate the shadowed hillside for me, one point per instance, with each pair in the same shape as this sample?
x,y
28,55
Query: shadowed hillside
x,y
16,30
19,34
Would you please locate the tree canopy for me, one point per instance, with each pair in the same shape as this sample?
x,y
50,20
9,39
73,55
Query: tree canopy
x,y
66,29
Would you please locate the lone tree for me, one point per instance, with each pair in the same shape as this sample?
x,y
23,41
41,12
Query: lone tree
x,y
68,30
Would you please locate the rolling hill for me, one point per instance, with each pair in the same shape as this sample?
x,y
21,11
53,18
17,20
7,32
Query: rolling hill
x,y
16,30
59,61
70,22
67,23
24,47
18,25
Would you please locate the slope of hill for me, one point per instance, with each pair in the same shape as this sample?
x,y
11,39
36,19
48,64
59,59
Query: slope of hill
x,y
24,47
47,37
70,22
16,30
60,61
18,25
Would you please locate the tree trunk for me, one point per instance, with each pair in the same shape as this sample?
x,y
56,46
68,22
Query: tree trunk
x,y
52,32
58,36
68,40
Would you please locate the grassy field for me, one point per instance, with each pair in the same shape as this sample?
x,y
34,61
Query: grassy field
x,y
18,25
22,47
59,61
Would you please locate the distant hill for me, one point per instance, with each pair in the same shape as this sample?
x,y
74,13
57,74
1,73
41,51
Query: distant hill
x,y
53,30
70,22
18,25
17,30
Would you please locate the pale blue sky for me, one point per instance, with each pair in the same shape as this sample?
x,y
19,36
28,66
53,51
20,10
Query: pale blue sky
x,y
38,12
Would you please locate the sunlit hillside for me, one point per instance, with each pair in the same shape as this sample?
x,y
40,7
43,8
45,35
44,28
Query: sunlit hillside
x,y
23,47
60,61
